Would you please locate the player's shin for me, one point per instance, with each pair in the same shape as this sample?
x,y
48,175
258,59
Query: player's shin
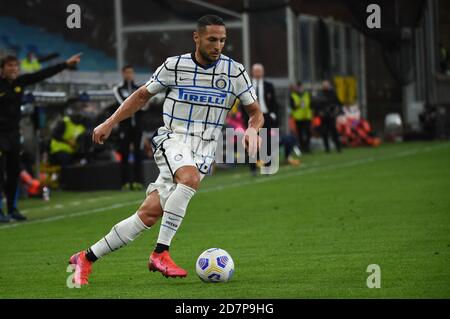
x,y
120,235
174,212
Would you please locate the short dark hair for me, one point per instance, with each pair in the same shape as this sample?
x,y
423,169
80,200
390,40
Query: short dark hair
x,y
7,59
209,19
126,67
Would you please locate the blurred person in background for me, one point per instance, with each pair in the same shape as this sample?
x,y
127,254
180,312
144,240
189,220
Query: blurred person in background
x,y
301,112
11,91
130,133
151,121
291,147
265,92
354,129
328,108
69,141
443,58
428,121
30,63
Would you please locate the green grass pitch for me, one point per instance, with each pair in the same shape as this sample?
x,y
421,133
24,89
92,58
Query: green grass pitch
x,y
307,232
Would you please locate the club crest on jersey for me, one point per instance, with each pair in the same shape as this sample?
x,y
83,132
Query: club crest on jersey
x,y
202,96
221,84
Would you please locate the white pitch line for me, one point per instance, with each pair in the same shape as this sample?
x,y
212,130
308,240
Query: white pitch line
x,y
250,182
58,206
74,203
87,212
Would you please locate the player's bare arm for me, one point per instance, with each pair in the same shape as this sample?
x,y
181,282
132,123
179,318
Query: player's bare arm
x,y
130,106
251,140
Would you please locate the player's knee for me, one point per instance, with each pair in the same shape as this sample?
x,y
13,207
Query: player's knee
x,y
148,217
150,213
189,177
193,182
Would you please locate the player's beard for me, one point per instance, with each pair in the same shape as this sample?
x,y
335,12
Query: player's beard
x,y
207,57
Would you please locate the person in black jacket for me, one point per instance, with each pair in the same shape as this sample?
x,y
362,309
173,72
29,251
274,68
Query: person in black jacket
x,y
11,91
265,92
328,108
130,132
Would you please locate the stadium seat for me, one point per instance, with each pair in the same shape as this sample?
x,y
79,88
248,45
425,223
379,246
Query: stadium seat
x,y
28,38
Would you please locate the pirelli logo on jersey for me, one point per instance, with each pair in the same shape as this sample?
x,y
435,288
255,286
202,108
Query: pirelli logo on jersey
x,y
207,97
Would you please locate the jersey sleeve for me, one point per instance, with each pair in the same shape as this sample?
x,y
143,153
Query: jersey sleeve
x,y
161,79
244,88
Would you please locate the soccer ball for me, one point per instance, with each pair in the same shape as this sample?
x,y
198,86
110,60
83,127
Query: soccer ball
x,y
215,265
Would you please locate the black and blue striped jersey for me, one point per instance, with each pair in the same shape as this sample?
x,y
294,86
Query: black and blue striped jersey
x,y
198,97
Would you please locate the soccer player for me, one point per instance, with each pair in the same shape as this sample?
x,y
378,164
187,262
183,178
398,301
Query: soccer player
x,y
200,88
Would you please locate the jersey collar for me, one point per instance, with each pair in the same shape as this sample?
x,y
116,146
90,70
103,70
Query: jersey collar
x,y
205,67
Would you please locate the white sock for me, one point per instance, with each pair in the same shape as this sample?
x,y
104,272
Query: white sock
x,y
174,212
120,235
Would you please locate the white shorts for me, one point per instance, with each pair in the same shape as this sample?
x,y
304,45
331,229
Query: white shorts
x,y
172,151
